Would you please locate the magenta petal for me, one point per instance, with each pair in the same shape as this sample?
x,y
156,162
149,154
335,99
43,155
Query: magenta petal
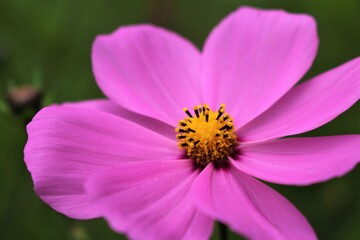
x,y
102,105
66,145
253,57
113,108
150,200
309,105
148,70
301,161
248,206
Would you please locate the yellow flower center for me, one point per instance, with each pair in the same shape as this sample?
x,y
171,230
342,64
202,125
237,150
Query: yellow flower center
x,y
207,136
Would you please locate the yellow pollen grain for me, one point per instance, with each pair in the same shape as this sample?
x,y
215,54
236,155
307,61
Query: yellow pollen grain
x,y
206,135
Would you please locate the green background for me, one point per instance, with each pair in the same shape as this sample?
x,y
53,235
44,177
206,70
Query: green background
x,y
47,44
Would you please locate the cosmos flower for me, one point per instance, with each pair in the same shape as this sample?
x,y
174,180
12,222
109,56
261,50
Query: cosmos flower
x,y
156,170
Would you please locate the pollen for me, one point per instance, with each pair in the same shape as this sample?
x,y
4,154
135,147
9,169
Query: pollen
x,y
207,136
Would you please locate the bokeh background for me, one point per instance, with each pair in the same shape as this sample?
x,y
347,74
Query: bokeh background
x,y
46,45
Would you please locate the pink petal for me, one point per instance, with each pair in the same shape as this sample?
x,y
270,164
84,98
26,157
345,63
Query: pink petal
x,y
253,57
148,70
113,108
248,206
103,105
66,145
150,200
309,105
301,161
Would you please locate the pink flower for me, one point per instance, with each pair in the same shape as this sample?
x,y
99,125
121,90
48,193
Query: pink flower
x,y
119,158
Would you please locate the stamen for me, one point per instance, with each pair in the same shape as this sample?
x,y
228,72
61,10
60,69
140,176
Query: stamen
x,y
199,108
182,123
180,130
187,112
224,128
196,112
191,130
220,113
178,136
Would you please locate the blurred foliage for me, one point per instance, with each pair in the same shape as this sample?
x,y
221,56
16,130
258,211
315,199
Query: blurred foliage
x,y
47,45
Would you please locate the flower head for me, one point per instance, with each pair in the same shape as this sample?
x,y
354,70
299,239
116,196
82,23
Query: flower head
x,y
155,170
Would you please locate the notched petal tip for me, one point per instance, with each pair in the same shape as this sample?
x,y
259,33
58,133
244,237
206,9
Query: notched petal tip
x,y
261,54
134,62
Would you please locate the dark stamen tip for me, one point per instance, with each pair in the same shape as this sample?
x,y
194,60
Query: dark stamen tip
x,y
223,127
219,115
188,113
191,130
197,113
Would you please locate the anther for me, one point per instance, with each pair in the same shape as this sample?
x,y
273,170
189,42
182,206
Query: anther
x,y
222,106
220,113
224,127
186,110
196,112
180,136
183,124
181,130
191,130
